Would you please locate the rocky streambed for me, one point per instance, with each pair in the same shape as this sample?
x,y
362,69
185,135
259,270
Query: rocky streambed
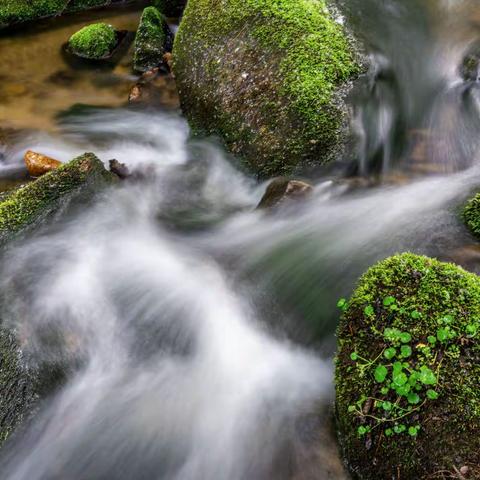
x,y
168,306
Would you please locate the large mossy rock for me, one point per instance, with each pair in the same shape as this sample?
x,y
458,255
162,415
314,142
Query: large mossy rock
x,y
408,372
35,202
152,40
14,12
471,215
267,76
22,383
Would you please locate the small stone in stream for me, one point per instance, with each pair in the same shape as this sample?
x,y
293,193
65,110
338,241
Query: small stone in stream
x,y
136,93
119,169
153,39
168,60
64,78
282,189
94,42
149,75
38,164
464,470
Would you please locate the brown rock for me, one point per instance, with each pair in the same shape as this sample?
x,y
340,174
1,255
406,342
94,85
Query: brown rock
x,y
38,164
168,60
282,189
119,169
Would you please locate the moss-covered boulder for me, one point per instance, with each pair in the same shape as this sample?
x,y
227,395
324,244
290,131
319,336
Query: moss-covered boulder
x,y
35,202
93,42
471,215
19,11
153,39
408,371
267,76
14,12
170,8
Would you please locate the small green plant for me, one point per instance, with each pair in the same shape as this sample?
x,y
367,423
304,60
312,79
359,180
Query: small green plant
x,y
406,372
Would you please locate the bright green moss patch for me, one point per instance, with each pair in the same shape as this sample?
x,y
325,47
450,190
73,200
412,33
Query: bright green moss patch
x,y
408,370
471,214
19,11
38,200
266,75
94,41
150,41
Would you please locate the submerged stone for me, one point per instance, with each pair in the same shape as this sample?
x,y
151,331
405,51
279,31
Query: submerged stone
x,y
41,199
94,42
152,40
268,77
408,369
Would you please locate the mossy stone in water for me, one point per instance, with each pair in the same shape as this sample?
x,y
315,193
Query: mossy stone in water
x,y
269,77
40,199
408,371
471,215
94,41
19,11
151,40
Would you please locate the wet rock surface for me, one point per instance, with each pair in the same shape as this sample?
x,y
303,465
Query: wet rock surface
x,y
38,164
283,190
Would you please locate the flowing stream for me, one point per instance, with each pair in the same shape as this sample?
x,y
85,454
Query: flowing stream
x,y
199,330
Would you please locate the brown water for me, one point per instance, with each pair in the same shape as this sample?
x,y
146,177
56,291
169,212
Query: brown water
x,y
37,81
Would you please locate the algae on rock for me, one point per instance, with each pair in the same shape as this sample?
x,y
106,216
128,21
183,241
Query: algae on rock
x,y
471,215
40,199
408,370
94,41
267,76
151,41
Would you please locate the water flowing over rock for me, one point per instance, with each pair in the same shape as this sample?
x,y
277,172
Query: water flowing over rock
x,y
35,202
282,189
269,78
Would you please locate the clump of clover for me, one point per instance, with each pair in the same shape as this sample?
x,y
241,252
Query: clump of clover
x,y
406,372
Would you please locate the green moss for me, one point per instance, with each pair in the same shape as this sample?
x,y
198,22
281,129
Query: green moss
x,y
93,41
471,215
19,11
150,41
314,59
37,200
430,297
170,8
77,5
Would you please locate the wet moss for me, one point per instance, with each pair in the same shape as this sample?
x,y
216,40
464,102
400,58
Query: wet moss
x,y
19,11
94,41
266,76
40,199
471,215
151,40
77,5
170,8
438,305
